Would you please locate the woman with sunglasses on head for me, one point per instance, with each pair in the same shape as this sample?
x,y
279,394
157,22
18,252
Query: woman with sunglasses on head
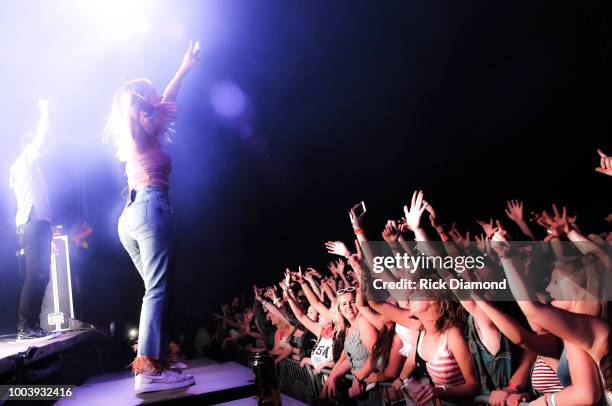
x,y
359,340
138,125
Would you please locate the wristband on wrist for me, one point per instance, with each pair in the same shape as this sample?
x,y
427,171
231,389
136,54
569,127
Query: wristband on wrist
x,y
514,387
358,230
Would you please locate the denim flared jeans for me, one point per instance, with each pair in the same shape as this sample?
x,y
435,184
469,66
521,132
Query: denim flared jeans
x,y
146,230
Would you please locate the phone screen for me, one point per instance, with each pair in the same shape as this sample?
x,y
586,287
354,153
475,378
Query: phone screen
x,y
360,209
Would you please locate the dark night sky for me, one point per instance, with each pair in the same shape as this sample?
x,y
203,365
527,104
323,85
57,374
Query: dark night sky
x,y
474,102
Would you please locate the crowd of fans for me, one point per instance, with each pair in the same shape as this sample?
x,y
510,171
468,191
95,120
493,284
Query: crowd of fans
x,y
446,348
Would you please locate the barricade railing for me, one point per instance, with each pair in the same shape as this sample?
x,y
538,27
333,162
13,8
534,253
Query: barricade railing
x,y
301,383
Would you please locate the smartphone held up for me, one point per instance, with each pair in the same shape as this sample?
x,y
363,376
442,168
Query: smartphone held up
x,y
359,209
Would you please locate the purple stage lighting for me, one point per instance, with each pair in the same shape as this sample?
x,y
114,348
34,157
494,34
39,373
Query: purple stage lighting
x,y
119,19
228,100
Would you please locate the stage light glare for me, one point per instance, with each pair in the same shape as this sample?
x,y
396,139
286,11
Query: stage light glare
x,y
123,28
175,29
228,99
118,19
142,26
133,333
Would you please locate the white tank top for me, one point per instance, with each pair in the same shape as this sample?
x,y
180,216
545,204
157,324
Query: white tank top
x,y
323,351
407,336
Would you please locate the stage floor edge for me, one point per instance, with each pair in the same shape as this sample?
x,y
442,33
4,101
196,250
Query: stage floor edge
x,y
216,383
10,349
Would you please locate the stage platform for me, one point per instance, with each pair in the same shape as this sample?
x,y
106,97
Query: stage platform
x,y
90,360
225,383
70,357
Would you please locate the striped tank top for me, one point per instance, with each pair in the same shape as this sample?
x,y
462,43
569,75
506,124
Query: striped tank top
x,y
543,378
443,369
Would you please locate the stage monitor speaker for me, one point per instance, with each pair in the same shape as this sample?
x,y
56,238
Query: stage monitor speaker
x,y
57,307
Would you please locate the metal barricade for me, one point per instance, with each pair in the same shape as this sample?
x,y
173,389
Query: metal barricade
x,y
302,384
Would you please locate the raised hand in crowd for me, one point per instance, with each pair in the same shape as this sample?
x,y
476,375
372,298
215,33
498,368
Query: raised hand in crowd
x,y
433,220
560,225
500,242
355,263
287,279
355,221
311,272
514,211
257,293
402,225
309,277
340,265
488,228
332,267
391,232
557,226
338,269
462,240
413,213
360,233
269,293
481,242
432,216
605,164
337,248
333,284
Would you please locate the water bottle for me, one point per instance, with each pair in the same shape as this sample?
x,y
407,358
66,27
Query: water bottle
x,y
264,375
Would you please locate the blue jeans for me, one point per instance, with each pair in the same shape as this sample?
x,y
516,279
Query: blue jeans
x,y
147,233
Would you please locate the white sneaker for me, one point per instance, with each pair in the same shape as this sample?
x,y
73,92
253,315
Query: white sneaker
x,y
166,380
178,366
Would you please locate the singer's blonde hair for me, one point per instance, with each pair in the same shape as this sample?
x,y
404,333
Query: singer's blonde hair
x,y
124,118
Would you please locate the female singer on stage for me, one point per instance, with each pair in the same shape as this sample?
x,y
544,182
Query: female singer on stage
x,y
138,125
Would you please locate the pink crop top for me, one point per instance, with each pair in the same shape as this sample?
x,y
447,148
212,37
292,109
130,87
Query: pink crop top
x,y
150,168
